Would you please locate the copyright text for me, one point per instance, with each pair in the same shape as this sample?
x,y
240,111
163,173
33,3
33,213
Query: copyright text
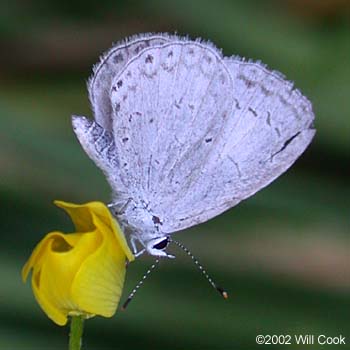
x,y
300,339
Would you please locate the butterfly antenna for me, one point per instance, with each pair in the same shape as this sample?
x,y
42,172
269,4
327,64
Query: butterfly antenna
x,y
223,293
133,292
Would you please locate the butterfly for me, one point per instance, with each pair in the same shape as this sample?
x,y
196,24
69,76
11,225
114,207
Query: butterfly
x,y
183,133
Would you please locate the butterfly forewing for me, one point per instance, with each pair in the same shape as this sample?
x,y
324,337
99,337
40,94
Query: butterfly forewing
x,y
111,63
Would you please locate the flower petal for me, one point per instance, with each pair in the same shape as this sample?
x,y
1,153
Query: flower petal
x,y
54,313
37,254
98,284
83,217
100,213
80,215
36,262
60,268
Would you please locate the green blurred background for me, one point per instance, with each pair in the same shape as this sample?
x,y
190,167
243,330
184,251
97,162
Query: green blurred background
x,y
283,255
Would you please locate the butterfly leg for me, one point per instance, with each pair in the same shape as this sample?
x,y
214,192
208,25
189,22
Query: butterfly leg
x,y
133,240
120,206
136,255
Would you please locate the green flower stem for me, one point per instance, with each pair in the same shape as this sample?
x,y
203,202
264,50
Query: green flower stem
x,y
76,332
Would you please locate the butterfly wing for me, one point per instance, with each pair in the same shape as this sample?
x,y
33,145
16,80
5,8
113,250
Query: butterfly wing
x,y
111,63
197,133
187,133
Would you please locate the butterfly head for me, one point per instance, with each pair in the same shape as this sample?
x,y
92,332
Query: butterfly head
x,y
157,247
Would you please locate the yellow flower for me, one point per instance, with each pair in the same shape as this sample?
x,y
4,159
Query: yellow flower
x,y
80,273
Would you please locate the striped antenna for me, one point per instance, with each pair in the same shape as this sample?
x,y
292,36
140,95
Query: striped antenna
x,y
133,292
186,250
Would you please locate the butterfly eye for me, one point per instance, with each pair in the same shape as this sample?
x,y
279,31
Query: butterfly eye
x,y
162,244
